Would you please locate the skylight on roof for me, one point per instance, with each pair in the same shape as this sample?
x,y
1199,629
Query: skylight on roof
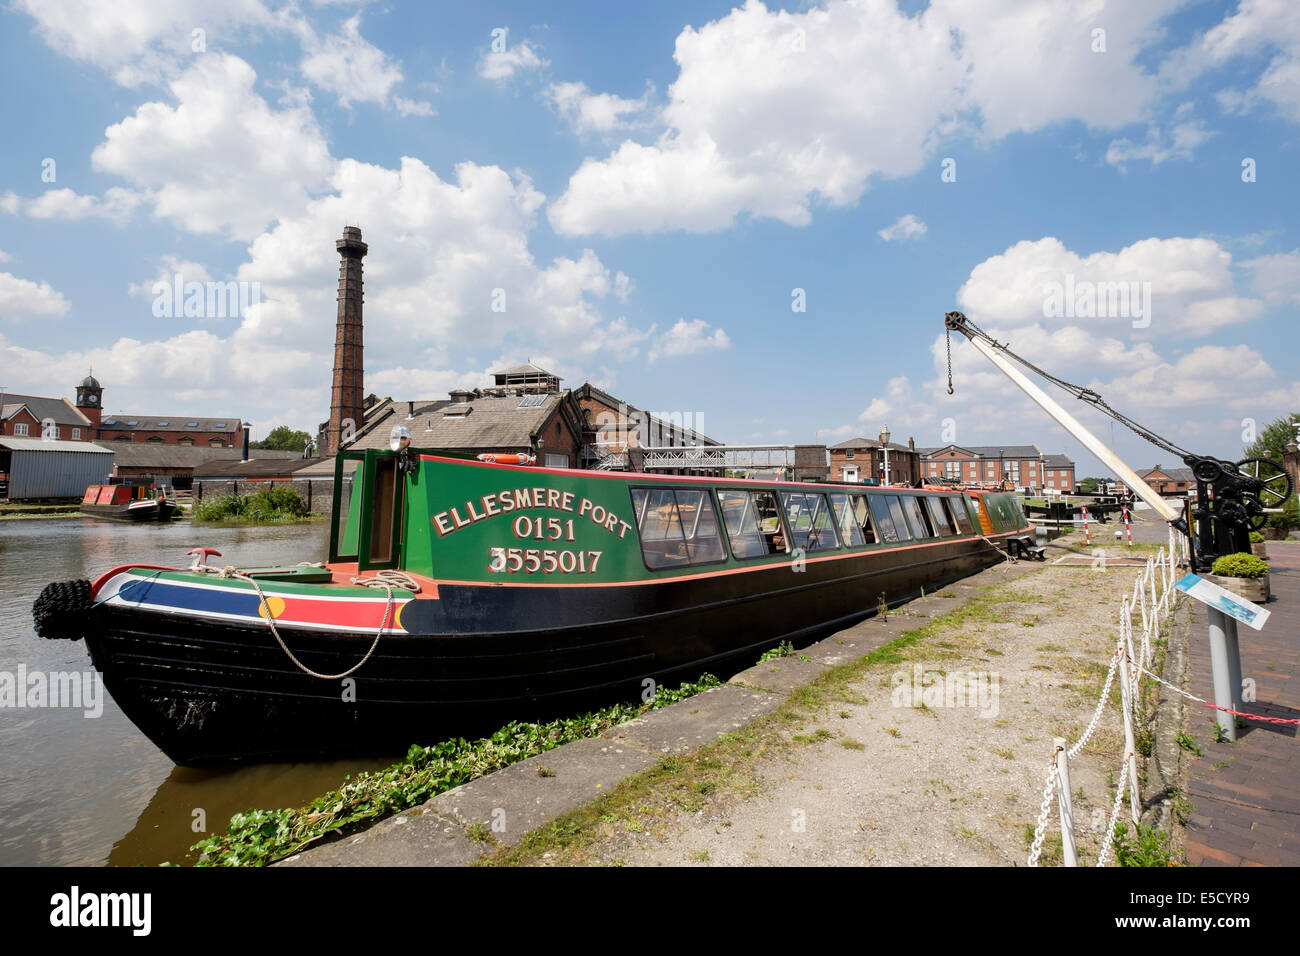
x,y
530,401
163,424
110,421
191,424
221,424
134,421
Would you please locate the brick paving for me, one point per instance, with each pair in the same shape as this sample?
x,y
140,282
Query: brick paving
x,y
1245,796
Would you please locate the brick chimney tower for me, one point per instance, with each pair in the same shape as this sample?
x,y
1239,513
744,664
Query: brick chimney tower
x,y
346,410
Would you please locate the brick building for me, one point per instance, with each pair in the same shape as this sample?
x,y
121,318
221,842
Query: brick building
x,y
29,416
614,432
863,460
24,415
1058,473
1024,466
1166,482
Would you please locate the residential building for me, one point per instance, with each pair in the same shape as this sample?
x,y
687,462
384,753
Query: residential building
x,y
863,460
1058,474
34,416
1023,466
1167,482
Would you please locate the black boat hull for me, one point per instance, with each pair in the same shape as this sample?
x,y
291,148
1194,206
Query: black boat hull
x,y
479,656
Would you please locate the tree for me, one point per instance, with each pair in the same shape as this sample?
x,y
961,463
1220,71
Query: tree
x,y
1272,441
1088,486
283,438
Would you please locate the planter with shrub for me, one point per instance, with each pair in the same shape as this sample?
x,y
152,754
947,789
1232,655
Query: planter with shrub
x,y
1242,574
1257,546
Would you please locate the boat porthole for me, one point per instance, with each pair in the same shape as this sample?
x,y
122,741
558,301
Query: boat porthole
x,y
273,604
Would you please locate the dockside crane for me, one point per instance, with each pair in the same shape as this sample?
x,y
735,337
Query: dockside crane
x,y
1232,498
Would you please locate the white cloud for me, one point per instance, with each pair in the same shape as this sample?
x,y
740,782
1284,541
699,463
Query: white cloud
x,y
139,41
1264,30
442,255
221,160
503,65
25,299
836,433
687,338
1178,142
355,70
4,256
897,394
1276,278
774,112
1191,285
407,107
907,227
589,112
168,269
116,205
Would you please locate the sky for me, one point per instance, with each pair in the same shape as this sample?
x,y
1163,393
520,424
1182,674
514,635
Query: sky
x,y
753,215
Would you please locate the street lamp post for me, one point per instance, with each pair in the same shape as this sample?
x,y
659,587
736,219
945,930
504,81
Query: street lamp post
x,y
884,448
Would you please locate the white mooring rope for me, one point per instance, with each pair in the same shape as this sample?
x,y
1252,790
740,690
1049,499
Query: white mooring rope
x,y
387,579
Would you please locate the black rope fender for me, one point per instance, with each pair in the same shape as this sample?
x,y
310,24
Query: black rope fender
x,y
61,612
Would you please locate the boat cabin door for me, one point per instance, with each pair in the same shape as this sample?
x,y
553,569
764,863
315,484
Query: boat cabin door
x,y
369,510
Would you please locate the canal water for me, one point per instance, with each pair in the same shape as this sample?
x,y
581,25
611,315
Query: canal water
x,y
79,790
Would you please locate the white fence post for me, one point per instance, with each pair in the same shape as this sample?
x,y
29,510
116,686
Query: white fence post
x,y
1064,803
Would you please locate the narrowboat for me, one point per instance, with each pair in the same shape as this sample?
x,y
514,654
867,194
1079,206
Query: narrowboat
x,y
459,594
127,503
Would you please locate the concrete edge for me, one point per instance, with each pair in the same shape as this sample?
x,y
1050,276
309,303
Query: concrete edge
x,y
789,675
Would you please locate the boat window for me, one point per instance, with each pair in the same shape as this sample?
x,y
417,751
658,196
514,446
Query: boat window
x,y
916,518
850,530
811,527
889,518
961,513
862,512
940,516
677,527
753,523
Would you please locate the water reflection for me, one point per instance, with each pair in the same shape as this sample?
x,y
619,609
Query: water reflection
x,y
193,802
71,787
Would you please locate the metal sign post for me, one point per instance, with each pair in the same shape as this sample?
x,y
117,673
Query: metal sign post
x,y
1225,610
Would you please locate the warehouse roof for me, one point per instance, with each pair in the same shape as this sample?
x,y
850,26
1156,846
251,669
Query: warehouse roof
x,y
51,444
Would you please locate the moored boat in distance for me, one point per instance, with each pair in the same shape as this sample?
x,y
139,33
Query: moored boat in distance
x,y
460,594
127,503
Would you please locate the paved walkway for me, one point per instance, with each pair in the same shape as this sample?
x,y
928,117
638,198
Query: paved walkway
x,y
1246,796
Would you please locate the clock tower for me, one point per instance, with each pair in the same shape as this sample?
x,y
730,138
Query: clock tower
x,y
90,396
